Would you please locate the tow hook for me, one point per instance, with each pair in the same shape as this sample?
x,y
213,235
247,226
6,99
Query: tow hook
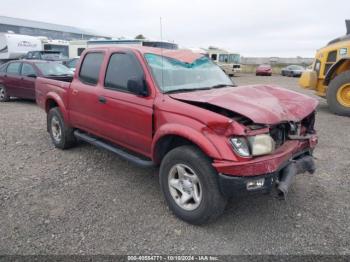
x,y
298,166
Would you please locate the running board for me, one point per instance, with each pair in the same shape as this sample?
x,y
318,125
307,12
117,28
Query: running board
x,y
127,156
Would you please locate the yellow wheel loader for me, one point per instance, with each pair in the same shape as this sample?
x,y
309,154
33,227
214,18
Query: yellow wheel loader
x,y
330,74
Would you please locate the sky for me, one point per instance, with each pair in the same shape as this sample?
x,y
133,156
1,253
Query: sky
x,y
262,28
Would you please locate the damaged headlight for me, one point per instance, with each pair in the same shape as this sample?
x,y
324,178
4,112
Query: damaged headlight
x,y
253,146
240,145
261,144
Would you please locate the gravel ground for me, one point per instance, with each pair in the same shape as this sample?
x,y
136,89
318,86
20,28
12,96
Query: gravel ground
x,y
88,201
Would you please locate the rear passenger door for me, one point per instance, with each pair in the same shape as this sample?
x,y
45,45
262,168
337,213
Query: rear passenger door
x,y
12,79
28,81
126,117
83,94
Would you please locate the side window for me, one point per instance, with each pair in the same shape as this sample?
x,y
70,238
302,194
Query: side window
x,y
90,68
332,57
28,70
317,67
36,55
80,51
121,68
29,55
2,68
213,57
13,68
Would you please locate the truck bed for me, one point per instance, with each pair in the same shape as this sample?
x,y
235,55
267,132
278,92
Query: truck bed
x,y
51,87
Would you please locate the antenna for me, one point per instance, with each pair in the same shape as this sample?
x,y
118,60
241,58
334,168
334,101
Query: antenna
x,y
161,48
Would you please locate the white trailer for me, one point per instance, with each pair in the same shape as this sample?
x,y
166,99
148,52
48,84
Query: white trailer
x,y
13,46
76,47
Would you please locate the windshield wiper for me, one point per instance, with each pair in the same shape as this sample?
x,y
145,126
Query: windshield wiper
x,y
185,90
222,85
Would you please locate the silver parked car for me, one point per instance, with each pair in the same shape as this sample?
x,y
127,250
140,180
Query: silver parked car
x,y
292,70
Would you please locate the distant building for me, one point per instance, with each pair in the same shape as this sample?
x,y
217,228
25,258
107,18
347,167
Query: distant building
x,y
51,31
276,60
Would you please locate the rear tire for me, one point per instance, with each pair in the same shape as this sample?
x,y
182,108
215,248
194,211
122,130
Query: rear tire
x,y
62,136
205,202
338,94
4,97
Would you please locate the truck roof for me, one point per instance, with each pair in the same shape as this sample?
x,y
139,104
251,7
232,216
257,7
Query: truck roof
x,y
183,55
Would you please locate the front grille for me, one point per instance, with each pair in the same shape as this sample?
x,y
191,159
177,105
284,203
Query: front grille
x,y
279,133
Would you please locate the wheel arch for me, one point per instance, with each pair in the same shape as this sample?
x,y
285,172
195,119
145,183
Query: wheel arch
x,y
174,135
340,66
54,100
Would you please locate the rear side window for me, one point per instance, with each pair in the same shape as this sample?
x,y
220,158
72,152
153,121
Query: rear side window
x,y
90,68
13,68
80,51
121,68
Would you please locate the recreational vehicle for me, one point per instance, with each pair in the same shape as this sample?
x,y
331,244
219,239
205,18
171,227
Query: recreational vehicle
x,y
228,61
14,46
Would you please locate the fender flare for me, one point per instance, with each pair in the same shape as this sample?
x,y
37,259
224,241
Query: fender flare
x,y
187,133
55,97
333,69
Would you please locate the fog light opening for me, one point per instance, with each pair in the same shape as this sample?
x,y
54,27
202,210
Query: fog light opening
x,y
255,184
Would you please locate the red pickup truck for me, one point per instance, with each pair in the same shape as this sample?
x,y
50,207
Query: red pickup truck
x,y
176,109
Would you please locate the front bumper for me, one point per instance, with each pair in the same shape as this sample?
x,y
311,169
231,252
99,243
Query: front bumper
x,y
233,176
265,164
236,186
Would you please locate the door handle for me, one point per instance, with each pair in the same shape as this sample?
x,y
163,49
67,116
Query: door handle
x,y
102,100
75,92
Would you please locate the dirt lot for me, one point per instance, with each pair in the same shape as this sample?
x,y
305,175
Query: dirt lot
x,y
88,201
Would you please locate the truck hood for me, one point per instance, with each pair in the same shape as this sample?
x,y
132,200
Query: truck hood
x,y
261,104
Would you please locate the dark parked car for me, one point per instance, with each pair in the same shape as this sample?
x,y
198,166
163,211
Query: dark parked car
x,y
292,70
264,70
45,55
17,78
71,63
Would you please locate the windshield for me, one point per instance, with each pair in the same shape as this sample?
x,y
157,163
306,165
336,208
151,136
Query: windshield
x,y
53,69
51,56
72,63
176,75
296,67
63,49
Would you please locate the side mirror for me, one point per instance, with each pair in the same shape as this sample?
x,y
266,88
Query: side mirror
x,y
137,85
31,75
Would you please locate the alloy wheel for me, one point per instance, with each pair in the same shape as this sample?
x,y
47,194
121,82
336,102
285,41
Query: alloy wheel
x,y
185,187
56,129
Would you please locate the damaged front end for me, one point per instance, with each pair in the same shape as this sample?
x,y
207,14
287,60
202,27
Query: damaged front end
x,y
264,142
269,155
291,154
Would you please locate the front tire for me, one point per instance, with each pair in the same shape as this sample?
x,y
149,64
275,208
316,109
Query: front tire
x,y
62,136
189,184
4,97
338,94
